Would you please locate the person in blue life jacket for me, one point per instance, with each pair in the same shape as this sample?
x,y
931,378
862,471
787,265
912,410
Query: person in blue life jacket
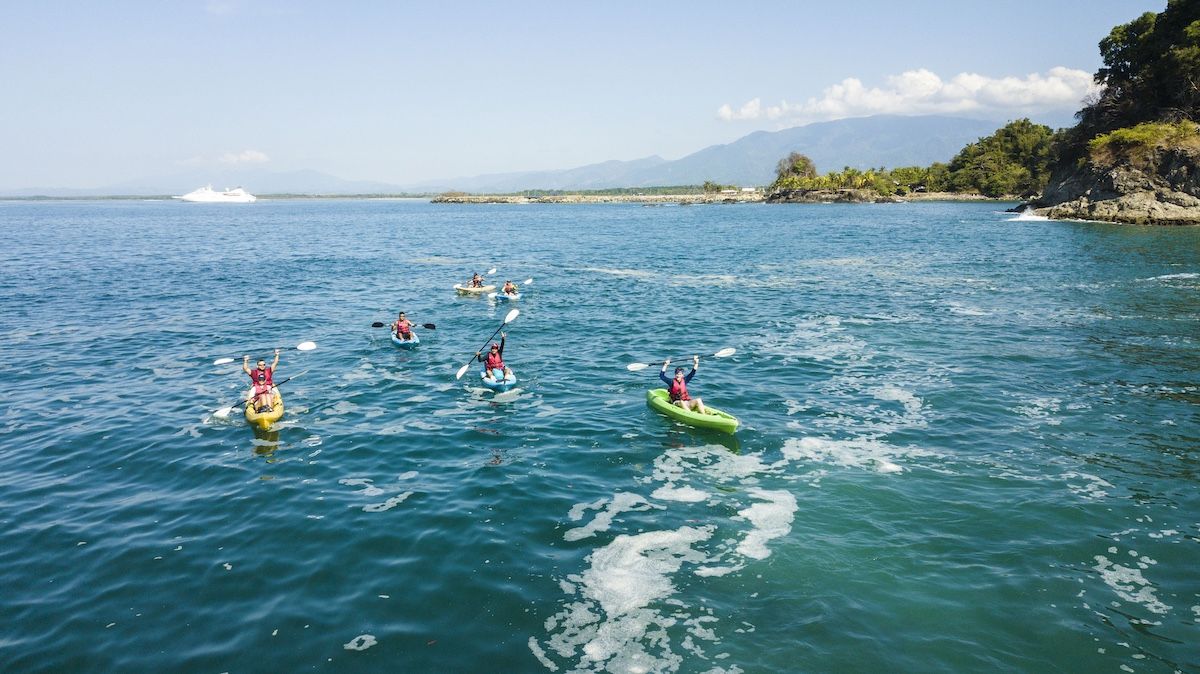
x,y
677,386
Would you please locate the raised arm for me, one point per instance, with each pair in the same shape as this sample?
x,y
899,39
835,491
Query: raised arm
x,y
275,363
246,364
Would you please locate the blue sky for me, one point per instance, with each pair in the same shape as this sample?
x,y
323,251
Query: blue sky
x,y
93,94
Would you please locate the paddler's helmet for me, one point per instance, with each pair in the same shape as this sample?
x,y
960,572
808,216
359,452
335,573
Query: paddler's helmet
x,y
495,346
262,376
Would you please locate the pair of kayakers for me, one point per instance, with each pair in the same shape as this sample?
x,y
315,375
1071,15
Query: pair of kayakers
x,y
494,368
262,383
402,328
677,386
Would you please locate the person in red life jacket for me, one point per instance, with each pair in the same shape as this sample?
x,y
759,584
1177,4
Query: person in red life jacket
x,y
262,394
493,363
510,288
261,369
402,328
677,386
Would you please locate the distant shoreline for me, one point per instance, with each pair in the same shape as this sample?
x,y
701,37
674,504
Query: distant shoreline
x,y
679,199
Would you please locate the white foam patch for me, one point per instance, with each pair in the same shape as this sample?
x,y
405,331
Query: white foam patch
x,y
612,627
1172,277
682,494
621,502
1130,585
360,643
1028,215
771,517
912,404
628,273
1041,409
703,280
388,504
966,310
866,453
819,338
368,489
1093,488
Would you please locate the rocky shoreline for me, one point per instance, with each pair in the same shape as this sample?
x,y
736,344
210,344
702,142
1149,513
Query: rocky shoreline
x,y
810,197
1161,191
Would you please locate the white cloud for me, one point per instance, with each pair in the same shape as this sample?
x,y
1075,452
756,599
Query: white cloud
x,y
244,157
921,92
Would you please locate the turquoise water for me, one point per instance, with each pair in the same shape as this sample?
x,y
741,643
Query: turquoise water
x,y
968,443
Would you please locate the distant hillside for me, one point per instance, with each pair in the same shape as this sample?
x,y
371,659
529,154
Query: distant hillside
x,y
861,143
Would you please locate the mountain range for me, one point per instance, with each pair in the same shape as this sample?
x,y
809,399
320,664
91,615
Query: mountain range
x,y
864,142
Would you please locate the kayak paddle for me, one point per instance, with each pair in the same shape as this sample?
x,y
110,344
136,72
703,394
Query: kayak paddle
x,y
723,353
225,411
427,326
512,315
302,346
491,271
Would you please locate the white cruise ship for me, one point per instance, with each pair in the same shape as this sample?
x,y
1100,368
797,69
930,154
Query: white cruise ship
x,y
208,195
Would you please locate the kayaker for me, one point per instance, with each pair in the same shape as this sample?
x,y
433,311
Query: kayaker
x,y
677,386
510,288
261,369
493,363
476,281
261,395
402,328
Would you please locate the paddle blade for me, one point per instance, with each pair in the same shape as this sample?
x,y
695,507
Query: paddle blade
x,y
725,353
512,316
429,326
637,367
491,296
222,361
306,346
377,324
528,281
224,412
462,370
491,271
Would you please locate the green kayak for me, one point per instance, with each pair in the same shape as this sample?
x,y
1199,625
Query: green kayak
x,y
715,419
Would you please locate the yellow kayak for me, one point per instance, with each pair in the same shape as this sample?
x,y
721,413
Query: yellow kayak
x,y
263,420
465,290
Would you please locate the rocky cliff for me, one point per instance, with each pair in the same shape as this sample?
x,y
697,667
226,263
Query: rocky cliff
x,y
1161,189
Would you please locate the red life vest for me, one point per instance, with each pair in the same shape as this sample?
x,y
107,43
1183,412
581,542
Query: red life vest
x,y
494,362
678,390
260,389
270,375
403,328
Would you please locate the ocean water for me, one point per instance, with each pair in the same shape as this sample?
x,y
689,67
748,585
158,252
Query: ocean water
x,y
969,442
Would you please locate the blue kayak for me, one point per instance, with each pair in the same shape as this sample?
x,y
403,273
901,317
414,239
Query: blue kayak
x,y
508,382
406,343
505,297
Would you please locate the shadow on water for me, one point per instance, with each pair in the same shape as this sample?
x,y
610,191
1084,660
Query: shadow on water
x,y
265,443
680,436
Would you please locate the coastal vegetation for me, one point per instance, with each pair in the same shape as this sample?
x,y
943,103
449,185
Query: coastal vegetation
x,y
1134,155
1012,161
1137,145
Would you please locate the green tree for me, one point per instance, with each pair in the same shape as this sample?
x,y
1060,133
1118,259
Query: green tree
x,y
1013,160
795,164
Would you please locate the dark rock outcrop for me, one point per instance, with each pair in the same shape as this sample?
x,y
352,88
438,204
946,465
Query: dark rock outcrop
x,y
842,196
1164,189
